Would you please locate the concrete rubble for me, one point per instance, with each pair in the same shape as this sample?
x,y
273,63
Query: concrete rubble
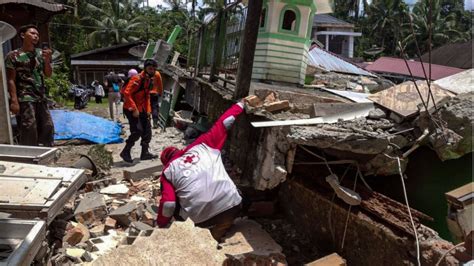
x,y
372,141
245,244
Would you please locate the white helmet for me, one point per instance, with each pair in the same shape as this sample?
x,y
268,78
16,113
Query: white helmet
x,y
132,72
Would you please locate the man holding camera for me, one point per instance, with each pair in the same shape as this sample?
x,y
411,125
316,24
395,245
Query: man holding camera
x,y
26,68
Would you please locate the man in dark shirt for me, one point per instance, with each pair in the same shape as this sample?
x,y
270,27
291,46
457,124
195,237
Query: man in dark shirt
x,y
26,68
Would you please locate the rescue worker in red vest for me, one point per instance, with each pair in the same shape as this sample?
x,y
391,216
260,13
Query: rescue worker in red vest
x,y
195,179
137,109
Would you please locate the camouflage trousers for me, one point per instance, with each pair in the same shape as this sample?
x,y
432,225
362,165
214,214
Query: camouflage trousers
x,y
35,124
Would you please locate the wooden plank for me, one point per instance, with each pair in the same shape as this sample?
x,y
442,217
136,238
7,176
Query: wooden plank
x,y
460,195
330,260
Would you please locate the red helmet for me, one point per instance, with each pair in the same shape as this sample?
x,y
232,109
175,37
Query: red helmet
x,y
167,154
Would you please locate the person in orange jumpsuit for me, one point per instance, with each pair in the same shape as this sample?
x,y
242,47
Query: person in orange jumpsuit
x,y
137,109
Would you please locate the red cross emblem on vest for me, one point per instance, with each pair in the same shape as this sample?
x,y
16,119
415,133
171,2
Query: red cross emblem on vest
x,y
189,159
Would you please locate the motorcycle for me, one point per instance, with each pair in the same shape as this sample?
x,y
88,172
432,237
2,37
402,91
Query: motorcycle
x,y
81,95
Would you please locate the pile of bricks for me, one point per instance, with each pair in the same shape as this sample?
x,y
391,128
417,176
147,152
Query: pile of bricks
x,y
105,214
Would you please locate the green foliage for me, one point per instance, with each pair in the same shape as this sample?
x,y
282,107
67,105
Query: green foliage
x,y
446,25
58,84
386,22
114,22
95,23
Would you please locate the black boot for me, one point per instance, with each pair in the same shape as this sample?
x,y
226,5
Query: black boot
x,y
125,154
146,155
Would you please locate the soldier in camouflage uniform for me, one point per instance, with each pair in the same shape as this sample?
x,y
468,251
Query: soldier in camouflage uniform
x,y
26,68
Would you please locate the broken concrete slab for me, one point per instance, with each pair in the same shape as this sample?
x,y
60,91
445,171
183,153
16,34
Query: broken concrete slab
x,y
142,170
181,244
137,227
115,189
363,140
91,208
329,109
247,243
330,260
404,99
377,114
457,138
127,213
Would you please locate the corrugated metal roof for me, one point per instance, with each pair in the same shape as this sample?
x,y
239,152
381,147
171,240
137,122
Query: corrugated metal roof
x,y
326,60
328,19
398,66
53,7
104,49
452,54
458,83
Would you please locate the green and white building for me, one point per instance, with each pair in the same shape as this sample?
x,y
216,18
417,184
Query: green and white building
x,y
283,41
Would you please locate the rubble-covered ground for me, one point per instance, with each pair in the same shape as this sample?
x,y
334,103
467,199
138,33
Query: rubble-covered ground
x,y
110,212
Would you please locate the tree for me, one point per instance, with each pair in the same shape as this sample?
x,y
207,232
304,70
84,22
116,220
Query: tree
x,y
384,24
445,26
114,21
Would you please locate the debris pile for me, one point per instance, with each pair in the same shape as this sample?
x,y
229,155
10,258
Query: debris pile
x,y
373,134
106,214
246,244
354,83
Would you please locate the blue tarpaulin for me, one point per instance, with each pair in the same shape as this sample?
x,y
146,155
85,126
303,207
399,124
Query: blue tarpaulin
x,y
79,125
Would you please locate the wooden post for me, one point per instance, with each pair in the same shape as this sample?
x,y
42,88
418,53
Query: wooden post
x,y
218,43
247,49
198,55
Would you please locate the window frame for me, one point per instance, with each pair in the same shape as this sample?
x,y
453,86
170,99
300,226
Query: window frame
x,y
297,19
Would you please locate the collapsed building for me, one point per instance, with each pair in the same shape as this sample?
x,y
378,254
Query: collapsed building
x,y
339,158
295,158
